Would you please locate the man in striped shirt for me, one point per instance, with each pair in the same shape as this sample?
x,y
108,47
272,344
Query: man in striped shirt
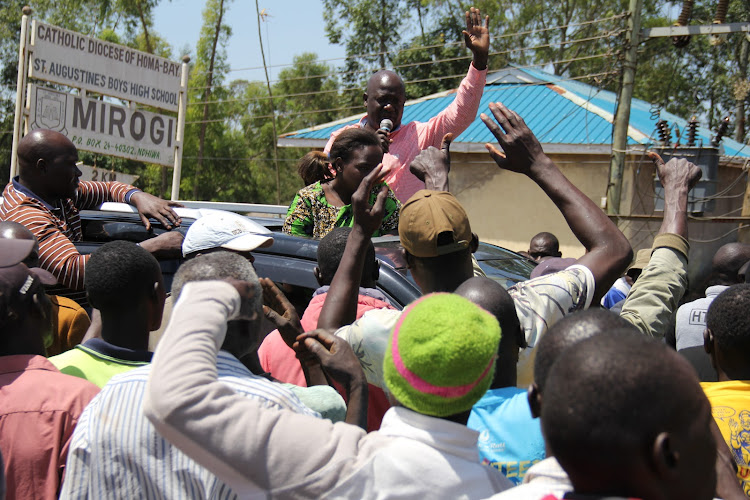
x,y
117,453
47,195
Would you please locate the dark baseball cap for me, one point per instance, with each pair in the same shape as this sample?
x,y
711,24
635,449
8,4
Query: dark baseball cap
x,y
14,251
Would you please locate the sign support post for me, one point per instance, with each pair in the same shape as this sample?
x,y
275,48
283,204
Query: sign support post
x,y
23,58
180,135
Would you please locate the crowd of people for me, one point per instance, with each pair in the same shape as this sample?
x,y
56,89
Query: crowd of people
x,y
594,379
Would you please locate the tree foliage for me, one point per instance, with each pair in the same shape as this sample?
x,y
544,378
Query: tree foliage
x,y
119,21
229,139
305,95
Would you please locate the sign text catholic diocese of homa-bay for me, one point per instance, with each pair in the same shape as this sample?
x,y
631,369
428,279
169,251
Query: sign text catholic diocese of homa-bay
x,y
76,60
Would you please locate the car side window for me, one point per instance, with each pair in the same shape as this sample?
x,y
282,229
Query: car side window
x,y
293,276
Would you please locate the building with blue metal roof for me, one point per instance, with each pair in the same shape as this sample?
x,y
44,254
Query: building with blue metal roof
x,y
573,121
563,113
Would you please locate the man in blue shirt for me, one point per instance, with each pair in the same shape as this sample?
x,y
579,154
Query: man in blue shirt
x,y
510,438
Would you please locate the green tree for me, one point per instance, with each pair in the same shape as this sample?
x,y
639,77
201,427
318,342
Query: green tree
x,y
122,21
305,95
210,69
703,79
371,31
439,66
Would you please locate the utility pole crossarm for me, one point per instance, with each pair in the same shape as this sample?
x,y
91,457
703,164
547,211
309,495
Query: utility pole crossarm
x,y
705,29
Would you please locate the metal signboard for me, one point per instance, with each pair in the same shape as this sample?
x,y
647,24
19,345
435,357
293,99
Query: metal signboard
x,y
89,173
101,127
62,56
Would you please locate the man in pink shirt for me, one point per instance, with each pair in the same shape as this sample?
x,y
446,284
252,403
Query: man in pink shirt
x,y
39,406
385,97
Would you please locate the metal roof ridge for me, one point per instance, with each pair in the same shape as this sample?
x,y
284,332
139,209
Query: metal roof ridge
x,y
323,125
586,104
436,95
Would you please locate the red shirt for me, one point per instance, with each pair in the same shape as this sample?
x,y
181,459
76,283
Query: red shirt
x,y
39,408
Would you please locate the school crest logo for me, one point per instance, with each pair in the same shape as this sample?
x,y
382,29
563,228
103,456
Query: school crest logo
x,y
50,109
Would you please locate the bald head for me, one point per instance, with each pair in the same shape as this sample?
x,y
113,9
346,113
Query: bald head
x,y
493,298
10,230
544,245
47,165
385,78
384,98
568,332
42,144
727,262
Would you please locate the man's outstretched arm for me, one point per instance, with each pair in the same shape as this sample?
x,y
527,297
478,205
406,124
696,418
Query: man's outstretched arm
x,y
608,252
657,292
241,440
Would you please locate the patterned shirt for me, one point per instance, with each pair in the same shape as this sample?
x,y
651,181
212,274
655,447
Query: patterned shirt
x,y
57,227
730,407
116,452
310,214
411,138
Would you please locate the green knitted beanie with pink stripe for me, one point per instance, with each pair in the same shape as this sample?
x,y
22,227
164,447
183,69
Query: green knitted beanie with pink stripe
x,y
441,354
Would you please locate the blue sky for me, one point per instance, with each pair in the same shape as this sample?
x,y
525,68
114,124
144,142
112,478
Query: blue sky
x,y
292,27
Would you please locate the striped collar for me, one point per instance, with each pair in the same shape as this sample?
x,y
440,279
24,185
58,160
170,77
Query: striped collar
x,y
29,193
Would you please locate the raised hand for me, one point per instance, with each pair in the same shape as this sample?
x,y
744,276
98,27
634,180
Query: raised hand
x,y
521,149
433,165
676,172
150,206
279,311
369,217
477,37
678,176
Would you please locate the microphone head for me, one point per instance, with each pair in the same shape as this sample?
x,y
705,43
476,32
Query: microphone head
x,y
386,125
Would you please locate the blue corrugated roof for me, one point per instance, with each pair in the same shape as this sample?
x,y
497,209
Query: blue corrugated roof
x,y
557,110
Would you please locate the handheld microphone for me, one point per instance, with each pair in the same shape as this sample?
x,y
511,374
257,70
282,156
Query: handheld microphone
x,y
386,125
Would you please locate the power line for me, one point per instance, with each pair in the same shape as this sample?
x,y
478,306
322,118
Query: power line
x,y
712,240
349,89
569,43
358,106
437,45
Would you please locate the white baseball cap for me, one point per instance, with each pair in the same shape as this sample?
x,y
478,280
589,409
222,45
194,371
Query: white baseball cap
x,y
225,230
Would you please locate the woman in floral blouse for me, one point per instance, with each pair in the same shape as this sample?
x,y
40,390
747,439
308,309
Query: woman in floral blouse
x,y
324,205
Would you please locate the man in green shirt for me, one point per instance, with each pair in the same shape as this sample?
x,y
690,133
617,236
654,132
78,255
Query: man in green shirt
x,y
124,282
